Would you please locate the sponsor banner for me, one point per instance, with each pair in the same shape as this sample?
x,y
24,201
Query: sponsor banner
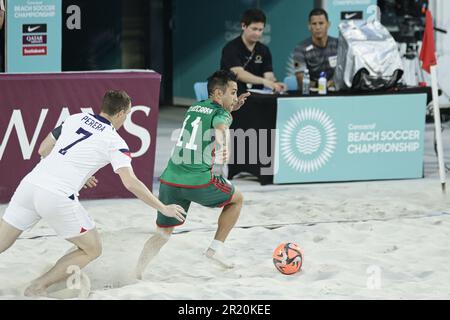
x,y
34,28
34,51
32,105
356,138
340,10
31,23
352,15
34,39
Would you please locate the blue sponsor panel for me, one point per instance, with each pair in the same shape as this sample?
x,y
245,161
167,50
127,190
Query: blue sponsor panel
x,y
357,138
341,10
33,36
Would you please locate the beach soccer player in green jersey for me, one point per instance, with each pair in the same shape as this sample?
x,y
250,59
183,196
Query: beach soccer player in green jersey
x,y
188,176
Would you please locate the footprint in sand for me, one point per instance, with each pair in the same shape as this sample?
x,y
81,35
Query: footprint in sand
x,y
326,272
425,274
318,239
325,275
391,249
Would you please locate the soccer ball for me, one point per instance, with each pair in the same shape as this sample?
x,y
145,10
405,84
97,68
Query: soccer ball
x,y
288,258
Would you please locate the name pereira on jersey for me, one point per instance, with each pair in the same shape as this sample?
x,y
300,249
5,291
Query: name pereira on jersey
x,y
93,123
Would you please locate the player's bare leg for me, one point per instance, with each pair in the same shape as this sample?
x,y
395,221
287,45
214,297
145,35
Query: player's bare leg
x,y
8,235
89,248
151,249
227,221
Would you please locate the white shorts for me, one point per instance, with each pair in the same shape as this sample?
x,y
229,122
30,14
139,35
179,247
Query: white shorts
x,y
30,203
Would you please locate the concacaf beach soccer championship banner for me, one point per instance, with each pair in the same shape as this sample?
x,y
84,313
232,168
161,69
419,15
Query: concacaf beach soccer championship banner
x,y
356,138
33,105
33,36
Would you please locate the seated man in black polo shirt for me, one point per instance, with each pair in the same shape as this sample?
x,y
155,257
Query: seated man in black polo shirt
x,y
317,53
248,58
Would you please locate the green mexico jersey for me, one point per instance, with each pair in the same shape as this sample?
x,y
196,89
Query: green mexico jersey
x,y
192,158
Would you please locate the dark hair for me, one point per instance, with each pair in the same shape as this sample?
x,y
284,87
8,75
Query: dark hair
x,y
318,12
219,80
253,16
115,101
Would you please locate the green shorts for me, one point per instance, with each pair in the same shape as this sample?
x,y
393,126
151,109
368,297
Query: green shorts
x,y
216,194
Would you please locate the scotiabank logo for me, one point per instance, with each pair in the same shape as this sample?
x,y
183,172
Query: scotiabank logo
x,y
29,146
34,51
34,39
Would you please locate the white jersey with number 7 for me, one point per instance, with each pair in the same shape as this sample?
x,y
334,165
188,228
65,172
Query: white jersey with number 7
x,y
85,143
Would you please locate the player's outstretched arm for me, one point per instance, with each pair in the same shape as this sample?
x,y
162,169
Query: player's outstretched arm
x,y
47,145
136,187
241,101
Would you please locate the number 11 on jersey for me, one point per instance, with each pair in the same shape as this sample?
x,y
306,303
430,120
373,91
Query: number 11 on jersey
x,y
190,145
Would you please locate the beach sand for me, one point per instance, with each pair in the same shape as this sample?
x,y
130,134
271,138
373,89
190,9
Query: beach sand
x,y
362,240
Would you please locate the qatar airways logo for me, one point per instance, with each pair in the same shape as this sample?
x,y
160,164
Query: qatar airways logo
x,y
28,146
34,39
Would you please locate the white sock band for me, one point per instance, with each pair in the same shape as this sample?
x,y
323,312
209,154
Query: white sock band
x,y
216,245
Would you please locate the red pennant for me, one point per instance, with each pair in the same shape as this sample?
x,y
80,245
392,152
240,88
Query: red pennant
x,y
428,52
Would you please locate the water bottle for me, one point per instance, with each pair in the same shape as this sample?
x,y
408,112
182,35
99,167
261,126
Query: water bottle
x,y
306,82
323,83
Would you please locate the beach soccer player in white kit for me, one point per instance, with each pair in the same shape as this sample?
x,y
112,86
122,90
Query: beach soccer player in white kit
x,y
73,152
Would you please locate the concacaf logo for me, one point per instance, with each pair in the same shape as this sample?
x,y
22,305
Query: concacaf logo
x,y
308,140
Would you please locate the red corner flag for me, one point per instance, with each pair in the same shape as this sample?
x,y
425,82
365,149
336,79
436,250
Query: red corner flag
x,y
428,52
